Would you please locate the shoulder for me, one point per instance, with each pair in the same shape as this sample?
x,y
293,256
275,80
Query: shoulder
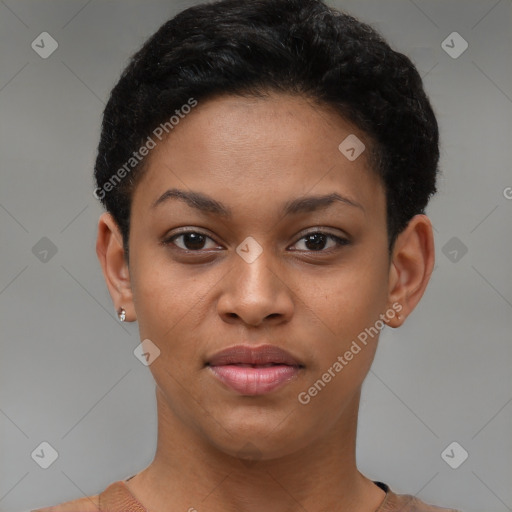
x,y
417,505
414,504
87,504
405,502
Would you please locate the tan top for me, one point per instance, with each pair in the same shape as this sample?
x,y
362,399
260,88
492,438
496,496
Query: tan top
x,y
118,498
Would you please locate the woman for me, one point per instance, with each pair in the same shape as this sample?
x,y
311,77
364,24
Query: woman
x,y
265,166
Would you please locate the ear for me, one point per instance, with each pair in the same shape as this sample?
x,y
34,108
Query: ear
x,y
411,266
109,248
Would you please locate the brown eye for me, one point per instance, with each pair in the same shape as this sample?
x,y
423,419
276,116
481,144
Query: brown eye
x,y
318,241
191,241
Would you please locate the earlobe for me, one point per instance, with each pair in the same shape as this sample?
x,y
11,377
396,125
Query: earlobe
x,y
411,266
110,251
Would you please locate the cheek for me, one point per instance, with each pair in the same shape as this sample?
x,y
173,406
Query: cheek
x,y
173,306
347,300
349,311
346,307
164,297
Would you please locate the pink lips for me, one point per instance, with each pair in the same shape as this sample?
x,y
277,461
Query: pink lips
x,y
254,370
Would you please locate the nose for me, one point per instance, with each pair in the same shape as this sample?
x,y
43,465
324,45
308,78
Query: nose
x,y
255,293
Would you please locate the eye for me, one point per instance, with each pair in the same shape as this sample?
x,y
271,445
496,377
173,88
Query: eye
x,y
191,241
317,241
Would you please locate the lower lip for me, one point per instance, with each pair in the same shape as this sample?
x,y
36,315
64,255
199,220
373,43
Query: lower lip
x,y
254,381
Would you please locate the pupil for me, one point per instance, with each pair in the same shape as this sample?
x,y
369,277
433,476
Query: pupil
x,y
317,239
193,240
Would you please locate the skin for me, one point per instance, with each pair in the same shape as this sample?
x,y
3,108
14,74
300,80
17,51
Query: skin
x,y
253,155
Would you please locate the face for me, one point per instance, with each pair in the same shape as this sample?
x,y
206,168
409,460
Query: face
x,y
250,227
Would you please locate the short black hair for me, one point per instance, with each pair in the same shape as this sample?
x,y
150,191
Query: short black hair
x,y
254,47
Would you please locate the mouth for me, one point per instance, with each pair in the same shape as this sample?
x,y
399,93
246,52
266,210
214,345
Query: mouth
x,y
254,371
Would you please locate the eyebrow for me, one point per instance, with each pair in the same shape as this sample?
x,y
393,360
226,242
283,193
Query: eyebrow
x,y
206,204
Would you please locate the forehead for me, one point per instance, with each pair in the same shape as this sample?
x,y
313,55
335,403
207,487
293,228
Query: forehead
x,y
243,149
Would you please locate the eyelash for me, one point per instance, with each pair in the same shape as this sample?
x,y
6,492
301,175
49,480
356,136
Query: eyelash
x,y
340,241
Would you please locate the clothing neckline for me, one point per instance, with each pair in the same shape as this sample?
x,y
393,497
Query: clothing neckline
x,y
381,485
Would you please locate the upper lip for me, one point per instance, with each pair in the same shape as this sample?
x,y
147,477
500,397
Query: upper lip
x,y
245,354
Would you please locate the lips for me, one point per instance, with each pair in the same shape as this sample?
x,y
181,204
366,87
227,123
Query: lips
x,y
259,356
254,370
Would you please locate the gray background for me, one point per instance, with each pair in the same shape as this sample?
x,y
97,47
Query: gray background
x,y
68,375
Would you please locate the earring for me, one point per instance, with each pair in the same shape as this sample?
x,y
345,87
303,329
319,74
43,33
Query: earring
x,y
121,314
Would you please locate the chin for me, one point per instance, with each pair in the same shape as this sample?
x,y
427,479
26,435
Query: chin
x,y
258,440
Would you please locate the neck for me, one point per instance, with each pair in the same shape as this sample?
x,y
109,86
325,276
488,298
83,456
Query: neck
x,y
190,473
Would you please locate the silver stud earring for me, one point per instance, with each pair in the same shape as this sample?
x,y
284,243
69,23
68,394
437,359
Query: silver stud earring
x,y
121,314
